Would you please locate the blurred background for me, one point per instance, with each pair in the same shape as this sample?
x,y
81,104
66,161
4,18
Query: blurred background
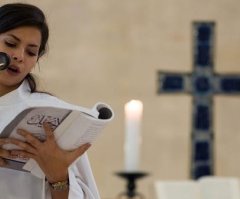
x,y
111,51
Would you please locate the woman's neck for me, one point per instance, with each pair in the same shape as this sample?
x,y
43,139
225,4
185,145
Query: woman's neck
x,y
4,90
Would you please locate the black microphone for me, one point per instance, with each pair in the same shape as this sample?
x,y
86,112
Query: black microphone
x,y
4,61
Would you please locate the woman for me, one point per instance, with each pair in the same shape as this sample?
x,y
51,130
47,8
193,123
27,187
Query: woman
x,y
23,36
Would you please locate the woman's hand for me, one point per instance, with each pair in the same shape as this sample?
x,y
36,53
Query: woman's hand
x,y
3,153
53,160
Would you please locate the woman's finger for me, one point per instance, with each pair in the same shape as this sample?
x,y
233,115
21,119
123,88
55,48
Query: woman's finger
x,y
79,151
31,139
2,162
48,130
4,153
21,154
4,141
24,146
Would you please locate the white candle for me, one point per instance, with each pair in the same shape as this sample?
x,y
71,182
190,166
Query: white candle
x,y
133,117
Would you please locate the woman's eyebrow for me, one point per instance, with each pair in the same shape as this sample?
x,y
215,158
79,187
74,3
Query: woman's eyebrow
x,y
15,37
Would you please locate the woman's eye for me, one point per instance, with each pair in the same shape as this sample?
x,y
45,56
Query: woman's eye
x,y
31,53
9,44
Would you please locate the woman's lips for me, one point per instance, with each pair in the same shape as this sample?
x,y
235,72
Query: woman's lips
x,y
13,70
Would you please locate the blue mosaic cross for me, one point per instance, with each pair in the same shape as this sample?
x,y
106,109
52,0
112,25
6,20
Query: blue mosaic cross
x,y
203,83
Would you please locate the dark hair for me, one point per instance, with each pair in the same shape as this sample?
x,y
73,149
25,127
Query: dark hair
x,y
16,15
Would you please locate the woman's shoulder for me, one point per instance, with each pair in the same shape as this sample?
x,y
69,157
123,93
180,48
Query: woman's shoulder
x,y
46,99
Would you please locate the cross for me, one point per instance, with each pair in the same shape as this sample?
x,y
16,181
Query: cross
x,y
203,83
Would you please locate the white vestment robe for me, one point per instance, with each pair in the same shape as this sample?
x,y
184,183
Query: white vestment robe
x,y
23,185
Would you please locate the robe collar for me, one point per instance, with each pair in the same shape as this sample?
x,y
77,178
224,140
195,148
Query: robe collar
x,y
16,96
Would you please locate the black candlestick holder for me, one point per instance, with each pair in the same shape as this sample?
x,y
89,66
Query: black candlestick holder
x,y
131,178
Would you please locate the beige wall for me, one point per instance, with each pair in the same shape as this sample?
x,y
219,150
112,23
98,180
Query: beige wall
x,y
111,50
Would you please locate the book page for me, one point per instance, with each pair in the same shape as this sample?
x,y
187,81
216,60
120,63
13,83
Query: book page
x,y
83,130
219,188
82,127
177,190
32,120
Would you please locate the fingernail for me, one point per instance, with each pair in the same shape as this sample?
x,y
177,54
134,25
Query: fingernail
x,y
20,131
47,125
13,153
87,145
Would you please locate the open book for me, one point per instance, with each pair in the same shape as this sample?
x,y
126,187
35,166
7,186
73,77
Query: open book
x,y
72,128
211,187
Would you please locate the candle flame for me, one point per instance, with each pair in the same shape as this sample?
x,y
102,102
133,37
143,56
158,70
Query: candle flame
x,y
134,105
133,110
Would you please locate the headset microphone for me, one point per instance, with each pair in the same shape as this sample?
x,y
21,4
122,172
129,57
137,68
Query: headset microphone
x,y
4,61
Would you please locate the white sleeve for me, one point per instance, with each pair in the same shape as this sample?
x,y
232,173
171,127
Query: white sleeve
x,y
81,181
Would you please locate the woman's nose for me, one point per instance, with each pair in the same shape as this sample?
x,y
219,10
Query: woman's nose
x,y
18,56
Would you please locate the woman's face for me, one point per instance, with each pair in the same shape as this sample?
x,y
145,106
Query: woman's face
x,y
22,45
